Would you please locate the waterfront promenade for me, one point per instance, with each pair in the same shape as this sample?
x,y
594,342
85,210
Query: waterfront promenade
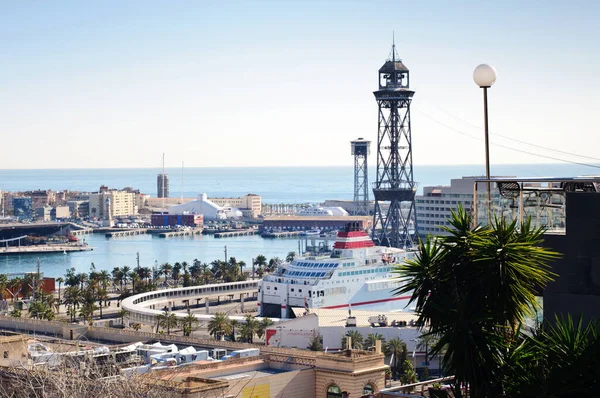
x,y
44,249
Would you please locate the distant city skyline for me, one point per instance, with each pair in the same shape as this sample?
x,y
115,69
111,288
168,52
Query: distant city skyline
x,y
211,84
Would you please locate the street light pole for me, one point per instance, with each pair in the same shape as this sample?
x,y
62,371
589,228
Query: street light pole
x,y
485,76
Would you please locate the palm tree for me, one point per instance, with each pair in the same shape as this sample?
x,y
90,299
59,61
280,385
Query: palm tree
x,y
219,325
189,323
356,339
260,262
263,326
176,273
102,297
395,348
473,288
249,328
290,257
166,320
40,310
372,338
121,315
234,323
125,270
87,311
60,281
103,279
165,269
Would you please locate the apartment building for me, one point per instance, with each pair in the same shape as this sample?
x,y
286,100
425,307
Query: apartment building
x,y
250,205
434,206
120,203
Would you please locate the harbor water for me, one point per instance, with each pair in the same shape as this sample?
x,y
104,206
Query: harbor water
x,y
117,252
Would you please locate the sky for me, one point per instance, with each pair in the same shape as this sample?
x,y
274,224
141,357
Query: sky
x,y
289,83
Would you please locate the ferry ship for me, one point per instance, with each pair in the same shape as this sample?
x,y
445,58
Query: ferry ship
x,y
355,274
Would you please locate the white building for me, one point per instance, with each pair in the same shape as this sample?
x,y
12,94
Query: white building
x,y
121,204
435,205
320,211
206,207
332,325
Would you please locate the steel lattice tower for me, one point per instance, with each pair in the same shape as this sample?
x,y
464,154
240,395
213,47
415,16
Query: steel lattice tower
x,y
394,225
360,150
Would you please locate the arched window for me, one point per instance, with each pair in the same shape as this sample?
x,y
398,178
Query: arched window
x,y
368,390
334,391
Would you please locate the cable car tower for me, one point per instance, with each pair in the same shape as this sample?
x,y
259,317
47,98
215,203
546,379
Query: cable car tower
x,y
360,150
394,224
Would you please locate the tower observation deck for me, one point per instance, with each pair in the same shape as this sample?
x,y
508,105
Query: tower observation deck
x,y
394,224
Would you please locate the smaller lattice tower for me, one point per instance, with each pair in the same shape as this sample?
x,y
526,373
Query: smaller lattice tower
x,y
361,149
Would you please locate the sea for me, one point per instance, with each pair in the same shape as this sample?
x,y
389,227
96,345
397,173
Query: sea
x,y
275,184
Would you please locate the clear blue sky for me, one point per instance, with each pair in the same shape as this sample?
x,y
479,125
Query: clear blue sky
x,y
266,83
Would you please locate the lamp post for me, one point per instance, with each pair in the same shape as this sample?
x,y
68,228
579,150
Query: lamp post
x,y
485,76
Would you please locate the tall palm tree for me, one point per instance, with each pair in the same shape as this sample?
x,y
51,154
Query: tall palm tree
x,y
234,324
219,325
176,273
249,328
165,270
125,270
103,279
60,281
260,262
395,348
372,338
102,297
356,339
473,288
188,323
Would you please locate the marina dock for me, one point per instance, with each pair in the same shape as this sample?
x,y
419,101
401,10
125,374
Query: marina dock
x,y
39,249
126,232
284,234
185,232
239,232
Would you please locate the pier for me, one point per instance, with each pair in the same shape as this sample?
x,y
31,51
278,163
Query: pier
x,y
240,232
283,234
185,232
38,249
126,232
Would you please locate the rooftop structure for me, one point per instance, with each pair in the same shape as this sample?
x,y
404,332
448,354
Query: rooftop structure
x,y
568,209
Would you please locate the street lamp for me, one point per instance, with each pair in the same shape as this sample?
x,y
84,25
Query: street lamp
x,y
485,76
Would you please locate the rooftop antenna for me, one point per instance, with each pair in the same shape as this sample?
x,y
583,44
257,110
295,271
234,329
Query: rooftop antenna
x,y
394,56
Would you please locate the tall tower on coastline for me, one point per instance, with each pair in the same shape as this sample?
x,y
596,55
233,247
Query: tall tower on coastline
x,y
394,222
361,148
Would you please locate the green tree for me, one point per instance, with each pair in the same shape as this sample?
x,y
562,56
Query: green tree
x,y
165,270
121,315
249,328
234,324
260,262
395,349
60,281
167,320
15,313
263,325
372,338
40,310
290,257
176,273
87,311
189,324
316,343
219,325
473,288
408,376
357,339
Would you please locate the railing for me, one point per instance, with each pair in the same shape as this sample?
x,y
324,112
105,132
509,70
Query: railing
x,y
542,200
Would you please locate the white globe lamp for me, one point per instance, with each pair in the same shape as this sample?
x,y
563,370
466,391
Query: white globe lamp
x,y
484,75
